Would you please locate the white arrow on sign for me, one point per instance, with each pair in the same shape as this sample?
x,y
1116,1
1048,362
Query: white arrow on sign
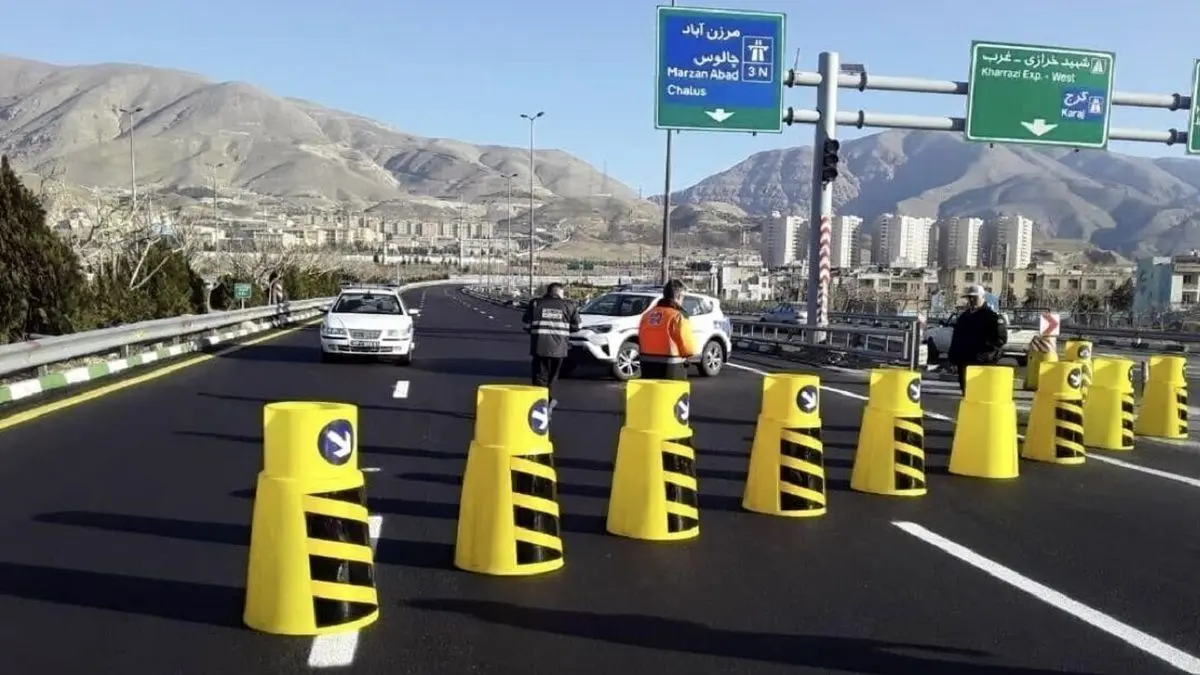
x,y
540,418
808,399
1039,127
719,115
683,409
344,446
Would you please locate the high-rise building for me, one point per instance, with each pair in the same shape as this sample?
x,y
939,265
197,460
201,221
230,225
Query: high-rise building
x,y
782,240
958,242
901,241
1007,241
846,246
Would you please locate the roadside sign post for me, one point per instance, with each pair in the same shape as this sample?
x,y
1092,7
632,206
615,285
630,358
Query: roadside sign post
x,y
719,70
241,291
1193,146
1039,95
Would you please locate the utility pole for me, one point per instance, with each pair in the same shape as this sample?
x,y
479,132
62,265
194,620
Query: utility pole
x,y
217,232
532,172
508,239
130,113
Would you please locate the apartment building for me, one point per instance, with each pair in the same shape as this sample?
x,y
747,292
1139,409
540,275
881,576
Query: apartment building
x,y
958,241
1007,241
846,244
1052,280
783,243
1165,283
902,241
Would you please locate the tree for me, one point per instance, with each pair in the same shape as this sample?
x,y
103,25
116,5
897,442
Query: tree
x,y
1121,297
117,241
43,287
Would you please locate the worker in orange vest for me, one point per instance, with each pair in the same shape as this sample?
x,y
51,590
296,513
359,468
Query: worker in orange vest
x,y
665,337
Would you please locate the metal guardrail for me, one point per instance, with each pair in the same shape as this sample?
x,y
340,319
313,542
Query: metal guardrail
x,y
22,356
836,343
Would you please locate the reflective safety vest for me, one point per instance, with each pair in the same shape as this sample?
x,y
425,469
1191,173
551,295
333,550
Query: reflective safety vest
x,y
665,335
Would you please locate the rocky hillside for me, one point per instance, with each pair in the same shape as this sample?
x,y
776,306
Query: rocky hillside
x,y
68,116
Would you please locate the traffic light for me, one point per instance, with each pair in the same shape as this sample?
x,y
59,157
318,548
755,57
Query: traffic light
x,y
829,160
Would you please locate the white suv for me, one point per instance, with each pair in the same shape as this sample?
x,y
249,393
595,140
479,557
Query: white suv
x,y
608,331
368,321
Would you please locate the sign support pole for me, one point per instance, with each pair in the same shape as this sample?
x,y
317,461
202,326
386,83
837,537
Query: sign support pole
x,y
829,67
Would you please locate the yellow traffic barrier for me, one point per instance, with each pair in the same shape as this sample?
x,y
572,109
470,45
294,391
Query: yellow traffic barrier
x,y
1164,410
890,458
311,568
1080,351
1055,430
1108,409
654,490
787,460
508,515
1041,350
985,432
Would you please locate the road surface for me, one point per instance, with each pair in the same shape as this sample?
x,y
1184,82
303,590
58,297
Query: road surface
x,y
125,523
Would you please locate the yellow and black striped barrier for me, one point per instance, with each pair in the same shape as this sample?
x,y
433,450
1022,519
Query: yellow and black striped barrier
x,y
787,460
655,492
1108,411
890,457
1164,411
311,565
1055,430
508,515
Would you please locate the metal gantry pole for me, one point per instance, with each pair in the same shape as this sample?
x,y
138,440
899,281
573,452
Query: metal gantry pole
x,y
130,113
665,269
532,173
822,197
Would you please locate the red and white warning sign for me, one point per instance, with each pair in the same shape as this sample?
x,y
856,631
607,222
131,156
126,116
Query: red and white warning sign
x,y
1049,324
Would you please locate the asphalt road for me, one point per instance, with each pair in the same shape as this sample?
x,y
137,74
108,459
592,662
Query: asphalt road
x,y
124,531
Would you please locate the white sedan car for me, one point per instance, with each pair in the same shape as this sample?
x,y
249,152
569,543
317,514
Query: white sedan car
x,y
368,321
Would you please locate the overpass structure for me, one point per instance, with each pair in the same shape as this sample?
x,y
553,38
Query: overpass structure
x,y
125,514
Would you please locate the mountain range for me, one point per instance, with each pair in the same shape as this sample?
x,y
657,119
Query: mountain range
x,y
191,130
1133,205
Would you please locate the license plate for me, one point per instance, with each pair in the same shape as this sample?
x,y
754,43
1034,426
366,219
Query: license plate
x,y
363,343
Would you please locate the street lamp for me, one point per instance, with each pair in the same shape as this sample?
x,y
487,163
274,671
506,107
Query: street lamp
x,y
508,241
130,112
532,170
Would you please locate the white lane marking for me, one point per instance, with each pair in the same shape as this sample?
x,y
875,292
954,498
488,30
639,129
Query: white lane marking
x,y
370,469
1094,617
1157,473
401,389
490,316
337,650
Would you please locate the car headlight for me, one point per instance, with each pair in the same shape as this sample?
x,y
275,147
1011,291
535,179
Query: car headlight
x,y
602,328
397,333
330,331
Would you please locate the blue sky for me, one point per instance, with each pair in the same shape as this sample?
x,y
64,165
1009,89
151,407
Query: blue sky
x,y
467,69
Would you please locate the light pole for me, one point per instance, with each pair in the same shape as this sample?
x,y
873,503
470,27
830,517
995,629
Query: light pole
x,y
216,222
508,239
130,112
532,170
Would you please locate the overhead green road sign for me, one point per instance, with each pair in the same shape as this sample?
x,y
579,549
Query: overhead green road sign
x,y
719,70
1039,95
1194,127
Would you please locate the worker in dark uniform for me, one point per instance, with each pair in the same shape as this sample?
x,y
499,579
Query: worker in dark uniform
x,y
980,334
550,320
665,337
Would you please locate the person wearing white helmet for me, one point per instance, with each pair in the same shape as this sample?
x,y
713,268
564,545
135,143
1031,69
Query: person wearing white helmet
x,y
979,336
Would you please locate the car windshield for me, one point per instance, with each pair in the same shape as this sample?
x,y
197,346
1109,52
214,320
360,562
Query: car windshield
x,y
365,303
617,304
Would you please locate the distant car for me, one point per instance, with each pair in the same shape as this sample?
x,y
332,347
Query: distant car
x,y
784,312
609,325
369,321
